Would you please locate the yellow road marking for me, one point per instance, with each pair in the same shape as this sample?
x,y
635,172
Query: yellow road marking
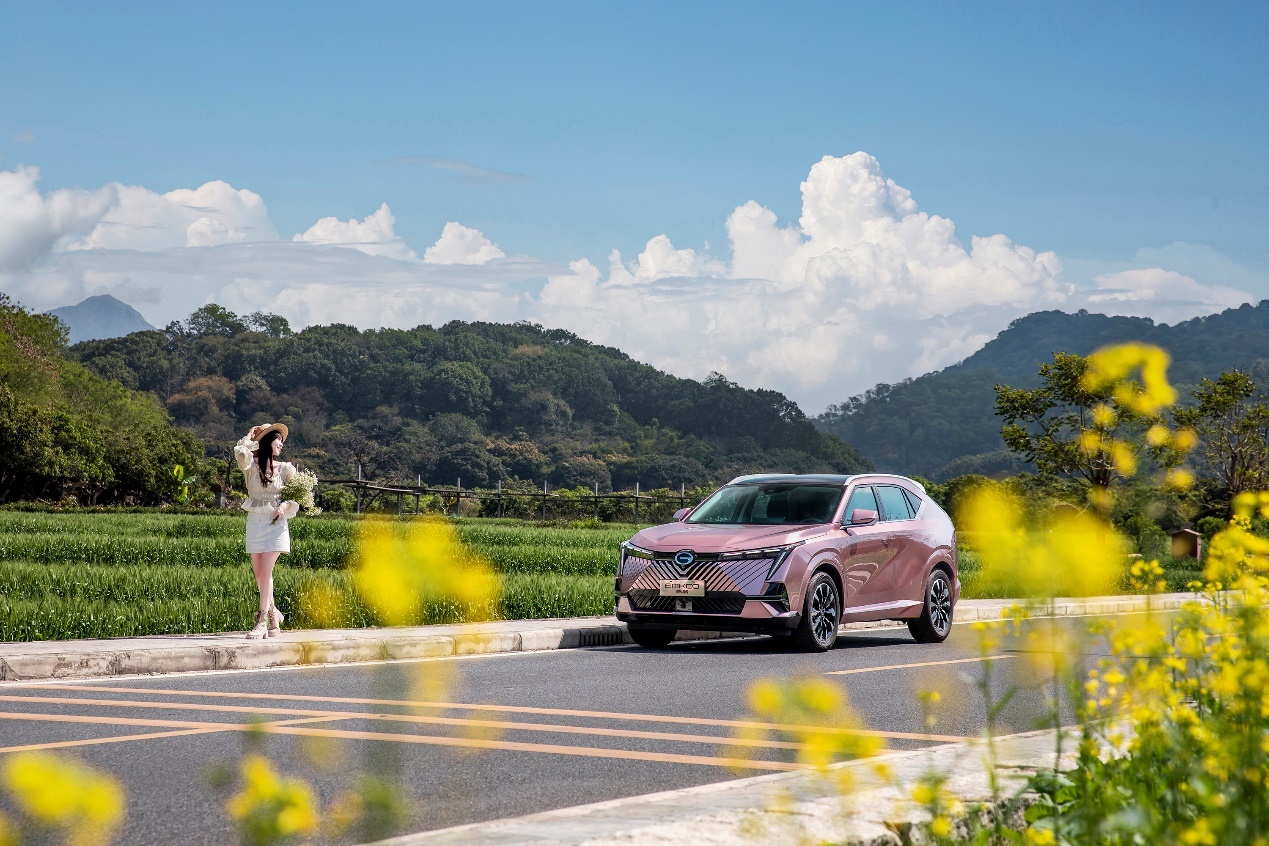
x,y
288,727
515,709
198,728
408,718
507,745
921,664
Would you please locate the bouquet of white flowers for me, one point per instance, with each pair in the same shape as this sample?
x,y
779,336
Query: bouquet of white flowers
x,y
300,490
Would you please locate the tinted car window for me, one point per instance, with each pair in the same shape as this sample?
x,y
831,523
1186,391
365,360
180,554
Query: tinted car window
x,y
894,505
862,497
769,505
914,501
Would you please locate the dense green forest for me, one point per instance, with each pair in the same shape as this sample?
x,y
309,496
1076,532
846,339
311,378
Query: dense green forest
x,y
943,424
478,401
66,432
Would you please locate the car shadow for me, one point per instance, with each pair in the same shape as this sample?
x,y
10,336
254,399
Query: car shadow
x,y
763,645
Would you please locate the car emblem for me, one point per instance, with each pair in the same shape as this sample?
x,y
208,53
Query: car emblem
x,y
684,558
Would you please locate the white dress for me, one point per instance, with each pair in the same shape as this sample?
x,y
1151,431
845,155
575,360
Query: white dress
x,y
264,535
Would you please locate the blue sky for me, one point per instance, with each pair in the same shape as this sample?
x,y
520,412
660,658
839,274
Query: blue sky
x,y
1088,130
1120,137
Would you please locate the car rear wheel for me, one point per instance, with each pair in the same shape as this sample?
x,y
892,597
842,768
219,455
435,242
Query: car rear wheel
x,y
651,638
935,622
821,615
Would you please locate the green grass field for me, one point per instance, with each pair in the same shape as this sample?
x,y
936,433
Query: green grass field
x,y
75,575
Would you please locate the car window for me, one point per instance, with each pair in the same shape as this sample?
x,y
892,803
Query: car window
x,y
914,501
862,497
767,505
894,505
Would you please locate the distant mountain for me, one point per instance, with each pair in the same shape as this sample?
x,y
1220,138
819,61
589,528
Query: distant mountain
x,y
100,317
943,424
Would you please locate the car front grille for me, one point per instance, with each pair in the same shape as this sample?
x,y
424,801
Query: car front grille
x,y
714,603
744,576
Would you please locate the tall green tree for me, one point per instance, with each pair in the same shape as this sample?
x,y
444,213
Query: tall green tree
x,y
1051,425
1231,417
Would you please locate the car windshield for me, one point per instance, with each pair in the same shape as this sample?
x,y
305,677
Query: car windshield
x,y
769,505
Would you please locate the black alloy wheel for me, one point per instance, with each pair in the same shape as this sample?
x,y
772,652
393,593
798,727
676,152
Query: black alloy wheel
x,y
821,615
650,638
935,622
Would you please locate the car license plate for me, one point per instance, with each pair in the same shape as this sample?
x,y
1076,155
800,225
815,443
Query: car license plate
x,y
682,587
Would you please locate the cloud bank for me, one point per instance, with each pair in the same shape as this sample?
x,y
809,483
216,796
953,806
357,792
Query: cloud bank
x,y
863,287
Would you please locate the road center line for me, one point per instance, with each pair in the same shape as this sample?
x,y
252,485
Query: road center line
x,y
919,664
513,709
289,727
195,728
549,728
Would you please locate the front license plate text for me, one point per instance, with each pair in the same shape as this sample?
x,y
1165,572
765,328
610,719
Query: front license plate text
x,y
682,587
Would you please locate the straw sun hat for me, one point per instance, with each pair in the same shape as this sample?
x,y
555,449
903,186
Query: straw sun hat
x,y
272,427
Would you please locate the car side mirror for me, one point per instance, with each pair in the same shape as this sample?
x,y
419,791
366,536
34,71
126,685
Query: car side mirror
x,y
681,514
862,517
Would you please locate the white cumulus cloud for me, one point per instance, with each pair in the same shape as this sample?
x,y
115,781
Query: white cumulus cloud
x,y
863,287
373,235
32,224
460,244
214,213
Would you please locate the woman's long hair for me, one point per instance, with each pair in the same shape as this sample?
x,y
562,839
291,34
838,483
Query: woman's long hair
x,y
264,456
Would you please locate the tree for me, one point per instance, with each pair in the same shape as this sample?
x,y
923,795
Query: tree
x,y
1066,429
273,325
212,319
1231,418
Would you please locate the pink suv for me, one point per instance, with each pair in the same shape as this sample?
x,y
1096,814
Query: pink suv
x,y
794,555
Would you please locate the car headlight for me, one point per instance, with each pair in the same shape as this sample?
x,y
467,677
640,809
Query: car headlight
x,y
637,551
779,553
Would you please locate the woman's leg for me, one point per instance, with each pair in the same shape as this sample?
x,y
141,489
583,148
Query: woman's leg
x,y
262,566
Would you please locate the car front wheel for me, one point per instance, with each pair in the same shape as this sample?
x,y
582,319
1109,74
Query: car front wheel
x,y
935,622
821,615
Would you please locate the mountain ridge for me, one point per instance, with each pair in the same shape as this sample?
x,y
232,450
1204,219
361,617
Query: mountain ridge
x,y
943,423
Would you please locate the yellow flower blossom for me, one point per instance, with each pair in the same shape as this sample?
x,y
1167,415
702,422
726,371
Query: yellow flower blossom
x,y
399,573
58,792
270,808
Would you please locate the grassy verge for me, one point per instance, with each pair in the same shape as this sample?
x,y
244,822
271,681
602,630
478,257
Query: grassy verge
x,y
63,601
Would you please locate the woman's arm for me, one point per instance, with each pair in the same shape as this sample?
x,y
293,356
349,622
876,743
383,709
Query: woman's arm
x,y
245,450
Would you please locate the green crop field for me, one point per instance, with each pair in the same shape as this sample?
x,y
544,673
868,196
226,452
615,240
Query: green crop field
x,y
74,575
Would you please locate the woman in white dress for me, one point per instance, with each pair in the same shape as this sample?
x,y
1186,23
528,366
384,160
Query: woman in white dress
x,y
267,515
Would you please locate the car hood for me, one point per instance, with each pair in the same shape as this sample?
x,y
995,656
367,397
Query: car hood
x,y
700,537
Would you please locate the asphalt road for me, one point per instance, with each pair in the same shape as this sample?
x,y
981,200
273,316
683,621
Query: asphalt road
x,y
547,730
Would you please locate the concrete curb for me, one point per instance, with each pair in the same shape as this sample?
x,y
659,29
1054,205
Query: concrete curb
x,y
86,659
799,807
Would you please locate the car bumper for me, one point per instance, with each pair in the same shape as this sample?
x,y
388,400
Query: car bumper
x,y
757,615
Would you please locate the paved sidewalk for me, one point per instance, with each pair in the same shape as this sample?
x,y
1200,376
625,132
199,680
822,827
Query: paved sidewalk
x,y
798,807
83,659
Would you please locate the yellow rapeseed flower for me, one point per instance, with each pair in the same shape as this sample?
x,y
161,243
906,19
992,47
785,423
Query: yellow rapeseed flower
x,y
1104,416
1158,435
269,807
61,793
399,573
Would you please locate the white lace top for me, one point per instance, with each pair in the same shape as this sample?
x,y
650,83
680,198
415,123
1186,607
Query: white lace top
x,y
263,498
